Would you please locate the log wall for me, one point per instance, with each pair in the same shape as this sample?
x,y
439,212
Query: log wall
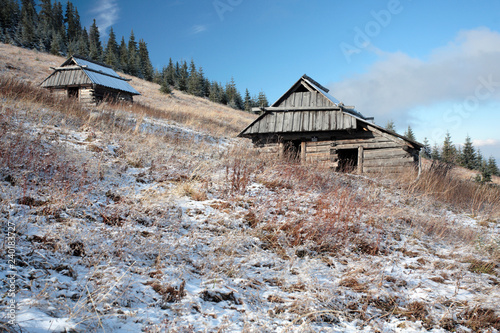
x,y
375,152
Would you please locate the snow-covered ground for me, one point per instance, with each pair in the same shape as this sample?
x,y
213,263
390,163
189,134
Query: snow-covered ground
x,y
165,229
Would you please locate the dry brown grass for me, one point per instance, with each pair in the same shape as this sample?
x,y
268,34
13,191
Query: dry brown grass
x,y
462,195
198,113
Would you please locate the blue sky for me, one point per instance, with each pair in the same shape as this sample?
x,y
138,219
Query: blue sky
x,y
433,65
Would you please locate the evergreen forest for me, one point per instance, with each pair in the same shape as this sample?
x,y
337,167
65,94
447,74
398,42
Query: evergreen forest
x,y
53,28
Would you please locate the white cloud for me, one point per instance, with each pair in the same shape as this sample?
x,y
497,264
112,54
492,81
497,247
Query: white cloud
x,y
466,68
107,14
196,29
487,142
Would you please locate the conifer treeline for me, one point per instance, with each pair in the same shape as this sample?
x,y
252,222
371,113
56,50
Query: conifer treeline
x,y
192,80
466,156
58,30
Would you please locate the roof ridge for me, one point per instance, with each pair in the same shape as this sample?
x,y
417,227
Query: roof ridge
x,y
305,76
90,60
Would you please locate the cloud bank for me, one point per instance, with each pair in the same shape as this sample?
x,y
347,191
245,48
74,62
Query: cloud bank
x,y
107,14
464,71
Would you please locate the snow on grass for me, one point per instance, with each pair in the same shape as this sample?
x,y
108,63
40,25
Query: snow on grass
x,y
166,229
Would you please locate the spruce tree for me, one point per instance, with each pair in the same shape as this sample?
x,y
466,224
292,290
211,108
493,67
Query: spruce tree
x,y
72,20
468,156
390,126
426,149
112,53
95,47
133,66
145,66
409,134
262,100
492,166
233,96
58,19
247,101
435,153
123,56
183,77
27,30
194,81
448,153
10,14
170,73
83,43
45,26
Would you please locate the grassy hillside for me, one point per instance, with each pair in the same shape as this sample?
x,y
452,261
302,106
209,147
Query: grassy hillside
x,y
154,218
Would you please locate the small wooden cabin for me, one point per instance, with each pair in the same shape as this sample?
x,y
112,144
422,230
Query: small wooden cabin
x,y
309,124
89,81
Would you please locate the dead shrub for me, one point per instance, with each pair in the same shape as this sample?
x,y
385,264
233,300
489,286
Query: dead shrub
x,y
479,318
484,267
354,284
168,292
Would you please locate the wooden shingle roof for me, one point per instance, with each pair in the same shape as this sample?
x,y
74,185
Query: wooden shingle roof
x,y
77,71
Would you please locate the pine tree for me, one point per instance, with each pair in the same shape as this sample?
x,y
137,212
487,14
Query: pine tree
x,y
133,66
262,100
170,73
409,134
26,34
492,167
183,77
390,126
204,83
10,14
426,150
83,43
112,53
145,66
468,156
45,26
215,93
233,96
123,56
194,81
72,20
448,154
435,153
479,160
247,101
95,47
165,88
57,43
58,19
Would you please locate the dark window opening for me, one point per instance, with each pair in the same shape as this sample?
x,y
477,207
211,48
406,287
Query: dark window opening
x,y
292,150
73,92
347,160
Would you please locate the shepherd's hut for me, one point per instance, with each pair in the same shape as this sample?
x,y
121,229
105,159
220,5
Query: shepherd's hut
x,y
310,125
89,81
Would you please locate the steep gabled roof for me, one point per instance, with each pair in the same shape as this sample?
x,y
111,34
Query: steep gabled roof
x,y
332,116
79,71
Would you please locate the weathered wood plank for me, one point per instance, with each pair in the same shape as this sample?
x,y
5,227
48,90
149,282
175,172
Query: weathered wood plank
x,y
306,101
385,169
389,162
272,122
319,143
279,121
385,153
297,121
287,121
319,120
369,145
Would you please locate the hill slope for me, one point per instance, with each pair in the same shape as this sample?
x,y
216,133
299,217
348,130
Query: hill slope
x,y
154,219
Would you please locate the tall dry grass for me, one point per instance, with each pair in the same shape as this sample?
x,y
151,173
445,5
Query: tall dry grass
x,y
462,195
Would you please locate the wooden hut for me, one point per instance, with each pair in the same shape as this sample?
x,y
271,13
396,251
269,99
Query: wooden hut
x,y
309,124
89,81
